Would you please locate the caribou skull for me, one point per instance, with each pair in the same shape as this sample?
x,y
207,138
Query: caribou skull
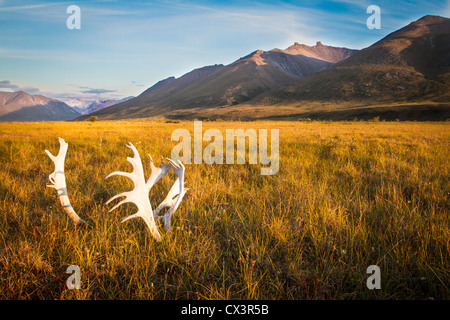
x,y
139,195
58,180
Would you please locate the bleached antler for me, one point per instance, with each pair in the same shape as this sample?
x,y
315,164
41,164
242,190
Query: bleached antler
x,y
157,172
139,195
177,189
170,199
58,180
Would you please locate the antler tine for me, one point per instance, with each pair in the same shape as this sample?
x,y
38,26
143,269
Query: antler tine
x,y
139,195
58,181
123,194
177,189
157,172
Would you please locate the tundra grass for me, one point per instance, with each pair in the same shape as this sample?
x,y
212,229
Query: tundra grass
x,y
347,195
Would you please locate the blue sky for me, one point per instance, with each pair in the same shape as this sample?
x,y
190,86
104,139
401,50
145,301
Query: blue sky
x,y
123,47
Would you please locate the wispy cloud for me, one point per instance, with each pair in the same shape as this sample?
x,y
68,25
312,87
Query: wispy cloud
x,y
22,8
137,84
85,94
96,91
6,85
48,54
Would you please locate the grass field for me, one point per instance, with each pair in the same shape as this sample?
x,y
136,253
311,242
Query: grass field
x,y
347,195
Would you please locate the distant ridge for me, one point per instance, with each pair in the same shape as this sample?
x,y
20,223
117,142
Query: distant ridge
x,y
219,85
319,51
21,106
101,104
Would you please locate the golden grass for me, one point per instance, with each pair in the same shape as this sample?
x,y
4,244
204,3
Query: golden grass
x,y
347,195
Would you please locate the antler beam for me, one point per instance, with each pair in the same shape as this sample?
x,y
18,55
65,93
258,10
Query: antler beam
x,y
139,195
58,180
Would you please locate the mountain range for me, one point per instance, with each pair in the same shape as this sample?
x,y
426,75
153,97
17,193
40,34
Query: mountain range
x,y
233,84
21,106
101,104
79,105
405,75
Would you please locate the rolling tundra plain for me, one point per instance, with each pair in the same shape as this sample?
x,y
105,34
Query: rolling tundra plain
x,y
347,195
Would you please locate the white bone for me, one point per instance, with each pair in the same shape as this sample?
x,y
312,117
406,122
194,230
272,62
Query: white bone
x,y
170,199
139,195
177,189
58,180
157,172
